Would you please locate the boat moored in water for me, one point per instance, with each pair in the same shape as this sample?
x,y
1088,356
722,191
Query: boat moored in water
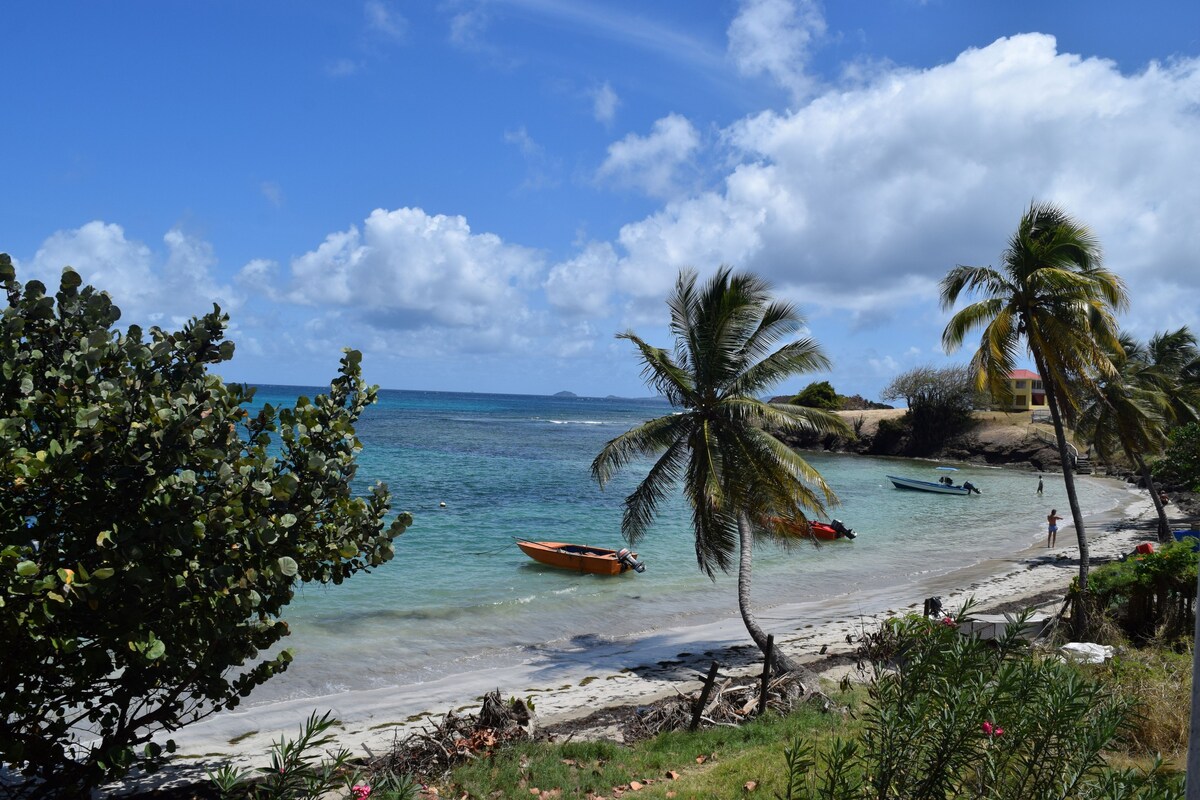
x,y
931,486
581,557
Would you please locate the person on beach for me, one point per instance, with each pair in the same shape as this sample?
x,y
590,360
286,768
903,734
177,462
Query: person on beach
x,y
1039,486
1052,522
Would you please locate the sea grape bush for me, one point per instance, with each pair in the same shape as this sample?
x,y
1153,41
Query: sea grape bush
x,y
152,529
953,716
1180,465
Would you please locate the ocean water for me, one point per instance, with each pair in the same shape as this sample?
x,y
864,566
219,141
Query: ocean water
x,y
460,596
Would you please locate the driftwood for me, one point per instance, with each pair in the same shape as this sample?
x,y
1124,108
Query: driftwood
x,y
731,702
431,752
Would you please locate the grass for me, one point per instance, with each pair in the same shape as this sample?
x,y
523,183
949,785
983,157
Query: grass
x,y
716,762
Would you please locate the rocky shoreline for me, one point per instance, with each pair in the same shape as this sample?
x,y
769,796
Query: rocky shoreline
x,y
997,439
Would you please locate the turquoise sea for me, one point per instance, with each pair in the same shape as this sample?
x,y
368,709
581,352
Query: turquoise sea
x,y
460,596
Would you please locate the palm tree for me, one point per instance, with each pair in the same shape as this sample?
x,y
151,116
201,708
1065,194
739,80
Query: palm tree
x,y
736,475
1130,413
1052,293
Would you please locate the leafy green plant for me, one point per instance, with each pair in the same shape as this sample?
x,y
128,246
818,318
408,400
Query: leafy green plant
x,y
152,530
1150,594
294,772
953,716
1180,466
818,394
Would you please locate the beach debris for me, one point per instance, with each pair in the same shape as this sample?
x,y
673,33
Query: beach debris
x,y
1086,652
433,750
731,702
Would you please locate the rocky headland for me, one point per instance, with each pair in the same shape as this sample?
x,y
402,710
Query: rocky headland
x,y
995,437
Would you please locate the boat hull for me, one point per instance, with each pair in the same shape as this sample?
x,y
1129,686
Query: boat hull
x,y
926,486
575,557
818,530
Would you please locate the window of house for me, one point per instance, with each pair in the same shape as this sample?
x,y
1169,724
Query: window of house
x,y
1019,384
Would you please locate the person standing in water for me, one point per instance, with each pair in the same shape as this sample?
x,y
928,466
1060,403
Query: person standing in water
x,y
1039,486
1052,527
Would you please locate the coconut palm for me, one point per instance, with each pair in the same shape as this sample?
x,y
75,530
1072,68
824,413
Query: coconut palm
x,y
1053,295
736,475
1129,414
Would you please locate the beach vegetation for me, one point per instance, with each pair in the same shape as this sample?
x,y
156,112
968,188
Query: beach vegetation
x,y
955,716
1133,410
154,529
1151,596
1180,464
818,394
940,400
1052,298
712,762
736,475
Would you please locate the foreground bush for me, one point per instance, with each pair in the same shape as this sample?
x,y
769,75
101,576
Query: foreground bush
x,y
152,531
952,716
1150,595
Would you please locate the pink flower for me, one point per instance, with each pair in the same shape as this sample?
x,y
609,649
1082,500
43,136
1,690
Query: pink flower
x,y
361,791
948,621
987,728
999,731
991,730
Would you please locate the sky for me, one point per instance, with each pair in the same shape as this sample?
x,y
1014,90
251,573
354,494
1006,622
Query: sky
x,y
479,194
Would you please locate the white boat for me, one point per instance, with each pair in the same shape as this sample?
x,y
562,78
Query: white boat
x,y
930,486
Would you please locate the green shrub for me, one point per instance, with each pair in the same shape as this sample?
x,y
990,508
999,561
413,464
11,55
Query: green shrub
x,y
819,394
1150,595
152,530
1180,466
952,716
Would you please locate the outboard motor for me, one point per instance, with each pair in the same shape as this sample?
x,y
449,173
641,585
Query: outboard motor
x,y
630,560
840,529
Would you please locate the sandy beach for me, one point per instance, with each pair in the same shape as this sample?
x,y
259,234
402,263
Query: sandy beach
x,y
592,673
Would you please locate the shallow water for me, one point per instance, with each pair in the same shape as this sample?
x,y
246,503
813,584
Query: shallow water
x,y
460,596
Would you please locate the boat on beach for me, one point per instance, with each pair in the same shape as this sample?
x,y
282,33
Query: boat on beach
x,y
581,557
930,486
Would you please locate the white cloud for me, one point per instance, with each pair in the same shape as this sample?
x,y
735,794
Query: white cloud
x,y
774,38
384,20
407,269
583,284
604,103
342,68
273,192
865,197
652,163
146,287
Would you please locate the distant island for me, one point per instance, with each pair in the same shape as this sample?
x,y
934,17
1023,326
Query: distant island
x,y
564,394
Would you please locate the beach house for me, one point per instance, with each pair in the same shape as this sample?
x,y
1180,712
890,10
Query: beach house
x,y
1026,389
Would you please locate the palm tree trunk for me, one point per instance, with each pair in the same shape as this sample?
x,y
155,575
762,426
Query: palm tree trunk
x,y
1164,524
1072,498
779,662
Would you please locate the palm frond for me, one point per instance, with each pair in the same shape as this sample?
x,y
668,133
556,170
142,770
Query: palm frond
x,y
647,439
642,505
661,373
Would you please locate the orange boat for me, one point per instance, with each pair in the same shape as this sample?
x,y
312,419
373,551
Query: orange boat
x,y
582,558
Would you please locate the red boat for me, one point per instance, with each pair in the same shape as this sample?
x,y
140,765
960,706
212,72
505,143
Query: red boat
x,y
826,531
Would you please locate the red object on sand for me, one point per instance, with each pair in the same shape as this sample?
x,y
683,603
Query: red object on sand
x,y
1144,548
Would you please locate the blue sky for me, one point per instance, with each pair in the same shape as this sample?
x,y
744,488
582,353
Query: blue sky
x,y
479,193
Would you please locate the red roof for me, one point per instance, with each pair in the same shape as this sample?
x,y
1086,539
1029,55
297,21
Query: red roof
x,y
1023,375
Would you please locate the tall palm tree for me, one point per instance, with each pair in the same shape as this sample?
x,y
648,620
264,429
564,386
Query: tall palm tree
x,y
1052,294
1130,413
736,475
